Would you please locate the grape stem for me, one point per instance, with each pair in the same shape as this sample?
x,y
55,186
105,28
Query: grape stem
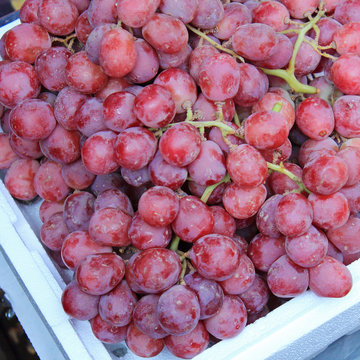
x,y
214,43
209,190
174,243
222,126
281,169
183,271
288,74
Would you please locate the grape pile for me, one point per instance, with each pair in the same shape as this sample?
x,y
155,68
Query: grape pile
x,y
197,159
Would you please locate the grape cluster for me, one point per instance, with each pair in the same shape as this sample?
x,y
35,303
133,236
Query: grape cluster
x,y
198,160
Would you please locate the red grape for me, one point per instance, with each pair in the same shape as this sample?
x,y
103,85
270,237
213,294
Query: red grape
x,y
219,77
109,226
77,246
155,270
24,42
294,215
136,13
154,106
264,250
209,13
216,257
141,344
77,304
308,249
58,16
117,306
76,176
145,317
193,220
18,82
189,345
330,278
53,232
325,175
98,153
230,320
49,183
78,209
243,202
286,279
209,293
117,55
246,166
330,211
106,332
178,310
98,274
158,206
50,67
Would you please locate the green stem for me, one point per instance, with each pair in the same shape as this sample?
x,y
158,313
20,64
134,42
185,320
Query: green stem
x,y
288,74
281,169
183,271
202,124
174,243
214,43
236,119
293,82
209,190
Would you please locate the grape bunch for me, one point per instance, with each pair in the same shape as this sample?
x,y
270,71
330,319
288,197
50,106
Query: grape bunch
x,y
198,160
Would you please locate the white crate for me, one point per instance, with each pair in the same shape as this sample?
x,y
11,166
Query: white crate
x,y
299,329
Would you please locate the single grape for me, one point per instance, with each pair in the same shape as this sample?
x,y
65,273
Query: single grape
x,y
252,86
242,279
117,306
293,215
330,278
98,274
135,147
58,17
243,202
230,320
141,344
178,310
256,296
193,220
98,153
117,55
109,226
189,345
216,257
77,246
77,304
78,209
264,250
308,249
18,82
145,317
154,106
246,166
49,183
219,77
286,279
155,270
345,237
209,293
53,232
330,211
106,332
209,13
325,175
24,42
180,145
